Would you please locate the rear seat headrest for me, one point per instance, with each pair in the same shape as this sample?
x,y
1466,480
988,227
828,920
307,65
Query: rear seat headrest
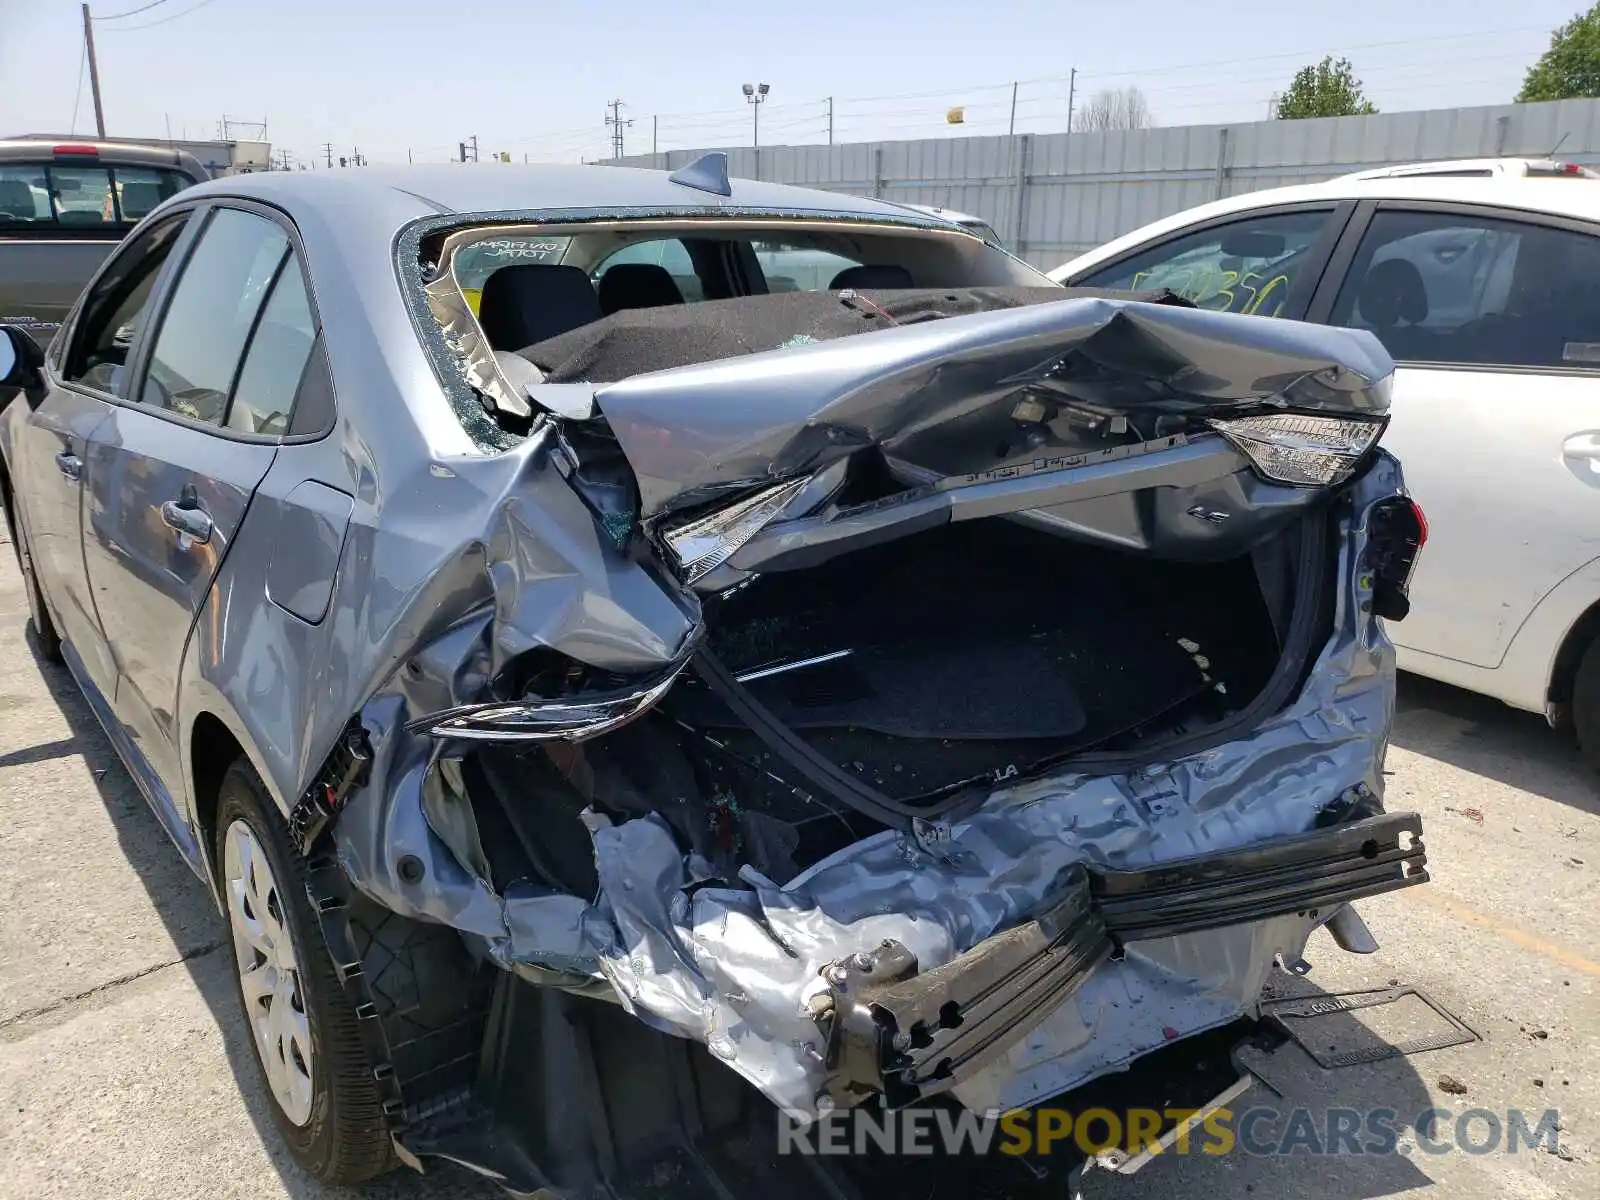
x,y
530,302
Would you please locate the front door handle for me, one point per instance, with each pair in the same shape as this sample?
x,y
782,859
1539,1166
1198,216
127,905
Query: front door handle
x,y
188,519
70,465
1582,445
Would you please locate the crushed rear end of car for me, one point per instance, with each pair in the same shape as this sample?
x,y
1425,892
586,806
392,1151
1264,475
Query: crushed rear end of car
x,y
955,706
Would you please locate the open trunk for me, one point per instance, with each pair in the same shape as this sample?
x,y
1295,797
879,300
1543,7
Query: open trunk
x,y
924,672
999,536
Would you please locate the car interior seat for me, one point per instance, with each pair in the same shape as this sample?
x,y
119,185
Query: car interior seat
x,y
530,302
637,285
1553,309
872,276
16,200
1393,303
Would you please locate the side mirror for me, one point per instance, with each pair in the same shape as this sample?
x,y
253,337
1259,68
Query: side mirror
x,y
21,359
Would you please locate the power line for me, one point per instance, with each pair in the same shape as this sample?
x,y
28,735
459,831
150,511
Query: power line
x,y
152,24
77,96
133,12
733,115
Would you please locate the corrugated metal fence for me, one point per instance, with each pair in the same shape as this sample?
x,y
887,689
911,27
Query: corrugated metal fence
x,y
1052,195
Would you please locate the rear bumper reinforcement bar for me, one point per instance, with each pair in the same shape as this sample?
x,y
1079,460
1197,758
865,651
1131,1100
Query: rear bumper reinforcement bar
x,y
1312,873
908,1035
911,1035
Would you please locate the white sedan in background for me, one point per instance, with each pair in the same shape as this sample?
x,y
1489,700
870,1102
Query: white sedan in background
x,y
1484,284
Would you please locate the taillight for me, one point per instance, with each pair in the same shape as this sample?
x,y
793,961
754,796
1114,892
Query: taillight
x,y
1396,533
1302,450
1422,524
76,151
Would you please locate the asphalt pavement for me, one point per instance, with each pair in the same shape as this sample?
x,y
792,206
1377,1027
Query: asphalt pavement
x,y
126,1071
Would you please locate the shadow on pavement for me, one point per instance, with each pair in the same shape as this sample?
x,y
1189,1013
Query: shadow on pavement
x,y
1487,738
200,933
1302,1130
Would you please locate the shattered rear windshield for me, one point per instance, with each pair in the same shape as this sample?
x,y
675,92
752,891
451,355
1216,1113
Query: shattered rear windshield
x,y
475,263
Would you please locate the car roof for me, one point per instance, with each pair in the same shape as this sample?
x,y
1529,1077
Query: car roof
x,y
1578,198
400,194
86,151
1480,167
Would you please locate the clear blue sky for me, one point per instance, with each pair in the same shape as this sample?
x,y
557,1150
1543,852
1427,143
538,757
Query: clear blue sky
x,y
534,78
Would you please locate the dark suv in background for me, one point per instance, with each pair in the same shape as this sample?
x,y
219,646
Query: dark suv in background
x,y
64,204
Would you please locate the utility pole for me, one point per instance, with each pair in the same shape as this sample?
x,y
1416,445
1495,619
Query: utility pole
x,y
1072,88
1013,129
327,150
617,124
830,120
473,142
655,134
94,71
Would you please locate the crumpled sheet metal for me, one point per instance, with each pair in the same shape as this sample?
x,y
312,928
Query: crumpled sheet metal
x,y
733,968
824,401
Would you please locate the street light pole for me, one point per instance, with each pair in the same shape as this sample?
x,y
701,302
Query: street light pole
x,y
756,94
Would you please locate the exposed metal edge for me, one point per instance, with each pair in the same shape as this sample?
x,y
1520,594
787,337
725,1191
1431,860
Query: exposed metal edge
x,y
1314,871
1182,1129
913,1035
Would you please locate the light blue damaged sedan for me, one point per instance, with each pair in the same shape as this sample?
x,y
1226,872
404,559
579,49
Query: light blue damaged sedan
x,y
620,701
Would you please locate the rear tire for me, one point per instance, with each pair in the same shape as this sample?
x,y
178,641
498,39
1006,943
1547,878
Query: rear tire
x,y
428,995
46,640
1586,704
342,1137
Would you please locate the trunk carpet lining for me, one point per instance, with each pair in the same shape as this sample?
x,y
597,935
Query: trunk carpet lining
x,y
976,650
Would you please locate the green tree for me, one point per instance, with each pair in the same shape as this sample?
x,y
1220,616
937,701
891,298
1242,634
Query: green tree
x,y
1571,67
1328,89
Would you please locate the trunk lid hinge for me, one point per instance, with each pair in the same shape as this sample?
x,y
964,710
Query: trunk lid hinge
x,y
347,768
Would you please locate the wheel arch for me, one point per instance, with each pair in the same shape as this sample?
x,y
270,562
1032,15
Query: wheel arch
x,y
1564,669
214,739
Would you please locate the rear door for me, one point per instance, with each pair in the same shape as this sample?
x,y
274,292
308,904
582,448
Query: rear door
x,y
86,374
1493,316
173,472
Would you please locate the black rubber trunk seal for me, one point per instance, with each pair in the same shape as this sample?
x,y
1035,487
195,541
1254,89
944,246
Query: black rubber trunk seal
x,y
832,780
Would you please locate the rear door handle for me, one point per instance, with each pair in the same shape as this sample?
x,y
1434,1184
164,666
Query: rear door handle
x,y
70,465
1582,445
186,519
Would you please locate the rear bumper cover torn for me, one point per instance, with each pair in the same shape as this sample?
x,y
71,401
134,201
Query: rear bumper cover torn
x,y
910,1035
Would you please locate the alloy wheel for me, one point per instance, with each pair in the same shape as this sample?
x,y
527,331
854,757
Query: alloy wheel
x,y
269,972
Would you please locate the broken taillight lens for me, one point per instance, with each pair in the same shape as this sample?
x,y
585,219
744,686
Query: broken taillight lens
x,y
705,544
1302,450
1396,534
